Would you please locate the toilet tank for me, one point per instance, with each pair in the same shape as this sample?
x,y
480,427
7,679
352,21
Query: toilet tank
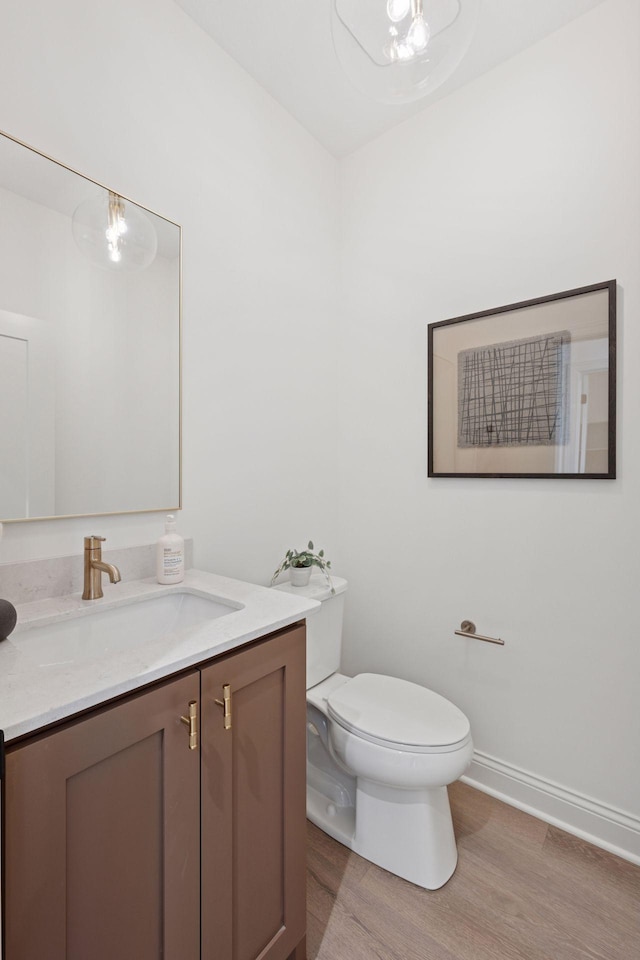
x,y
324,627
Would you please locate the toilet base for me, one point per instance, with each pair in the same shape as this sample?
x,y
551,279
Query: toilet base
x,y
407,832
337,822
331,794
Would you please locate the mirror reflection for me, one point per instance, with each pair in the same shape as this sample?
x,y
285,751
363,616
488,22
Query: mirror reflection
x,y
89,346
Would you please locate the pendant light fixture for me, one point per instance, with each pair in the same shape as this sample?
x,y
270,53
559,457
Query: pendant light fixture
x,y
397,51
114,234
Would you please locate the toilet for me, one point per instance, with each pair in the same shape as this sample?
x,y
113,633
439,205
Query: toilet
x,y
380,753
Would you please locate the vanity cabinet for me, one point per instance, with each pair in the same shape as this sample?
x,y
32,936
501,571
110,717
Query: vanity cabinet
x,y
253,802
121,841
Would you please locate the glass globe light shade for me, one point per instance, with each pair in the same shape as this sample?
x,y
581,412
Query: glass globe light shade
x,y
114,233
396,51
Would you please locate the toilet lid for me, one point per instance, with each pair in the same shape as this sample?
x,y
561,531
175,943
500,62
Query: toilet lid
x,y
397,712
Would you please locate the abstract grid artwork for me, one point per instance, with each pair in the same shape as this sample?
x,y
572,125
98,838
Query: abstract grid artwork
x,y
512,393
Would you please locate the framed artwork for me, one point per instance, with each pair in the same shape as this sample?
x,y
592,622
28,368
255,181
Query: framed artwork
x,y
526,390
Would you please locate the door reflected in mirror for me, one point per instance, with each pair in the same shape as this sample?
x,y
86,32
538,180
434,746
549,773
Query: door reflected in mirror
x,y
90,304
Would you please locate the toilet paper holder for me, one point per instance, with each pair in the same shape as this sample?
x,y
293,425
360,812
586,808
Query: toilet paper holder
x,y
468,629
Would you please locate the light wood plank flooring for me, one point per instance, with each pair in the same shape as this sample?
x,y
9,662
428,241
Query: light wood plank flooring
x,y
523,890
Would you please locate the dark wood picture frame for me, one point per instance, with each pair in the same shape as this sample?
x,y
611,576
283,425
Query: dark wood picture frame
x,y
510,394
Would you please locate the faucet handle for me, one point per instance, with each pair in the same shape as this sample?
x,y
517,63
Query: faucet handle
x,y
90,543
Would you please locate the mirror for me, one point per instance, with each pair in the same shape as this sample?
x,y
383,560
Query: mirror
x,y
90,329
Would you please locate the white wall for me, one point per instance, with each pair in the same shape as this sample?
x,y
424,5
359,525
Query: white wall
x,y
141,99
522,184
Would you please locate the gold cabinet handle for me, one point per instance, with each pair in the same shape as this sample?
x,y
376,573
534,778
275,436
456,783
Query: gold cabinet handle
x,y
225,703
192,722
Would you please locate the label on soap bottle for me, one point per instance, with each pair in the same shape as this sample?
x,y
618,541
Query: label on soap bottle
x,y
172,561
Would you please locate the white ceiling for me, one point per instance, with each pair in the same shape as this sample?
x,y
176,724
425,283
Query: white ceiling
x,y
303,74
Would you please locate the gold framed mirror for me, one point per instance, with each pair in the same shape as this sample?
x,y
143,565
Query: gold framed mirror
x,y
90,346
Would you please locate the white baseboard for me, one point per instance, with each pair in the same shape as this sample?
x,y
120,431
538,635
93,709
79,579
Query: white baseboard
x,y
606,827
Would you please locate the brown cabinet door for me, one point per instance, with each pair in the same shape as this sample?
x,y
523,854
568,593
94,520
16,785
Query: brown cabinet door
x,y
253,802
102,837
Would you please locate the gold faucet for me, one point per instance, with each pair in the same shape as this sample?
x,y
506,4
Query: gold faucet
x,y
94,567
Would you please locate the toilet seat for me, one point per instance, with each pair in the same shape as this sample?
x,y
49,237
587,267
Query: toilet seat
x,y
398,714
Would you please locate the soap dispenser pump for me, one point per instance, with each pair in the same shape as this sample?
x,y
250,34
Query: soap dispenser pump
x,y
170,554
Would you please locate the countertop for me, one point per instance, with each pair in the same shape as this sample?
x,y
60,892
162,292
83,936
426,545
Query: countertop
x,y
38,687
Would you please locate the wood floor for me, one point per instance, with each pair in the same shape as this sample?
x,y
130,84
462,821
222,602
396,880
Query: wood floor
x,y
523,890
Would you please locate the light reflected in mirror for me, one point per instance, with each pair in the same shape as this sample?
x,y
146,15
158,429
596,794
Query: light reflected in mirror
x,y
89,346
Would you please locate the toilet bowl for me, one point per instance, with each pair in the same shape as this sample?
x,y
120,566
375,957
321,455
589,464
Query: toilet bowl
x,y
381,752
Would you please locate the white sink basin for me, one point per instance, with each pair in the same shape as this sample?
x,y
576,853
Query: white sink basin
x,y
101,633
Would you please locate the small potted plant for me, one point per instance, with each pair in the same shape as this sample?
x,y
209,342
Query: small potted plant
x,y
300,563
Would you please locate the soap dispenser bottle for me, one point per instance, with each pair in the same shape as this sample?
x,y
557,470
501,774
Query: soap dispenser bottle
x,y
170,554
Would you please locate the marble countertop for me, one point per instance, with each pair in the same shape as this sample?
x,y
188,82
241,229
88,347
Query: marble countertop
x,y
38,686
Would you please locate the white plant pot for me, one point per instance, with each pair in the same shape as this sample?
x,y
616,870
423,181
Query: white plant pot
x,y
300,576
